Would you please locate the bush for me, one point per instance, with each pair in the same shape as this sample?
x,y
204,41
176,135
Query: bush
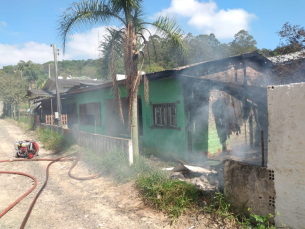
x,y
51,139
171,196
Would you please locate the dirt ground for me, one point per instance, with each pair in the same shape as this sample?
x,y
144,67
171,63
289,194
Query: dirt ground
x,y
67,203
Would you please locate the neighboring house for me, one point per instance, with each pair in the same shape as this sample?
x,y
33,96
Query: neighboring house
x,y
289,68
204,108
47,95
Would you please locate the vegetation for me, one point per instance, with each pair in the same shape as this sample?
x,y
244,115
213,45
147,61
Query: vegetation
x,y
173,197
52,140
13,90
116,165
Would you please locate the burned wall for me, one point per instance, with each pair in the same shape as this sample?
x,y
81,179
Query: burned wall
x,y
235,74
249,186
196,96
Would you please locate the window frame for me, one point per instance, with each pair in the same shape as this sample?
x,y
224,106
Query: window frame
x,y
166,118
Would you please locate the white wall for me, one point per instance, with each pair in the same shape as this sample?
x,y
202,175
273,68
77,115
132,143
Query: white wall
x,y
286,152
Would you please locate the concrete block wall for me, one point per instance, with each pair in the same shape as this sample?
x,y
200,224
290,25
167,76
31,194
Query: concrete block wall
x,y
249,186
286,152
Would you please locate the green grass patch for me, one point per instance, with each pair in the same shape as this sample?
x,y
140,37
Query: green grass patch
x,y
176,197
171,196
52,140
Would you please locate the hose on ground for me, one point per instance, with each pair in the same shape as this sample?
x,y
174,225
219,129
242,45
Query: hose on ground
x,y
21,197
27,216
81,178
63,158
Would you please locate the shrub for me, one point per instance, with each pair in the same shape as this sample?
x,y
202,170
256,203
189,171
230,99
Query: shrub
x,y
51,139
171,196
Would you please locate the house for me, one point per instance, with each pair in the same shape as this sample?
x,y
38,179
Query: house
x,y
200,109
288,68
46,97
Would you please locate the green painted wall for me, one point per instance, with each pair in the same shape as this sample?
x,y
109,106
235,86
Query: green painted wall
x,y
169,142
173,142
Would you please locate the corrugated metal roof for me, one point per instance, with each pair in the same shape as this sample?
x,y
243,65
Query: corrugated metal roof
x,y
38,93
71,83
254,56
287,57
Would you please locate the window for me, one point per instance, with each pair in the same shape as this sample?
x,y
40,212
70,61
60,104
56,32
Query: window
x,y
165,115
90,114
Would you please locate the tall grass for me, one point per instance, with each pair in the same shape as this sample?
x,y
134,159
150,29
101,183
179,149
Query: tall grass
x,y
171,196
116,165
52,140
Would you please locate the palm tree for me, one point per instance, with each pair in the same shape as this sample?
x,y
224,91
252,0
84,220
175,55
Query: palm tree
x,y
128,41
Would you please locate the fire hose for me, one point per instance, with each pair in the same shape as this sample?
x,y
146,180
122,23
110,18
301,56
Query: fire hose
x,y
64,158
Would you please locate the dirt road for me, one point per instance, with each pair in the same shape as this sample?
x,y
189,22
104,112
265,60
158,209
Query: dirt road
x,y
67,203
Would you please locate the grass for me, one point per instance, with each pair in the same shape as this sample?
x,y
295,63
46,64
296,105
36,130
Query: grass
x,y
52,140
116,165
173,197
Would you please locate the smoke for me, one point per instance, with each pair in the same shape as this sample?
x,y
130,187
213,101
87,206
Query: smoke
x,y
221,120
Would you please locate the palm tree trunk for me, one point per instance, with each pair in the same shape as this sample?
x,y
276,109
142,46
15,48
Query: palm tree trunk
x,y
134,126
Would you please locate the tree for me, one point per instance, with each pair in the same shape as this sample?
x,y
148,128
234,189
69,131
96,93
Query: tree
x,y
242,43
292,39
292,45
128,41
29,70
12,91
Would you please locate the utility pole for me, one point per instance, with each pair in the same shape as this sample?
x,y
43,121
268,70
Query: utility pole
x,y
55,52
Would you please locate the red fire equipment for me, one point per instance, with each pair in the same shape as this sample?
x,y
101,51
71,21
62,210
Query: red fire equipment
x,y
26,149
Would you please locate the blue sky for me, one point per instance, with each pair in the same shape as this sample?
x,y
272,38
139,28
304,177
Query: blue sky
x,y
28,27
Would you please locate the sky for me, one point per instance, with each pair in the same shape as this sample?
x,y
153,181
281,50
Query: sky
x,y
28,27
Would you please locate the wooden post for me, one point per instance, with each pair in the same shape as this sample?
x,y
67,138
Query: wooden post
x,y
235,70
51,107
245,72
56,83
263,153
251,130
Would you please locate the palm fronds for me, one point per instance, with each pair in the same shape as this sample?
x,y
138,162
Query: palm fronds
x,y
85,14
169,27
